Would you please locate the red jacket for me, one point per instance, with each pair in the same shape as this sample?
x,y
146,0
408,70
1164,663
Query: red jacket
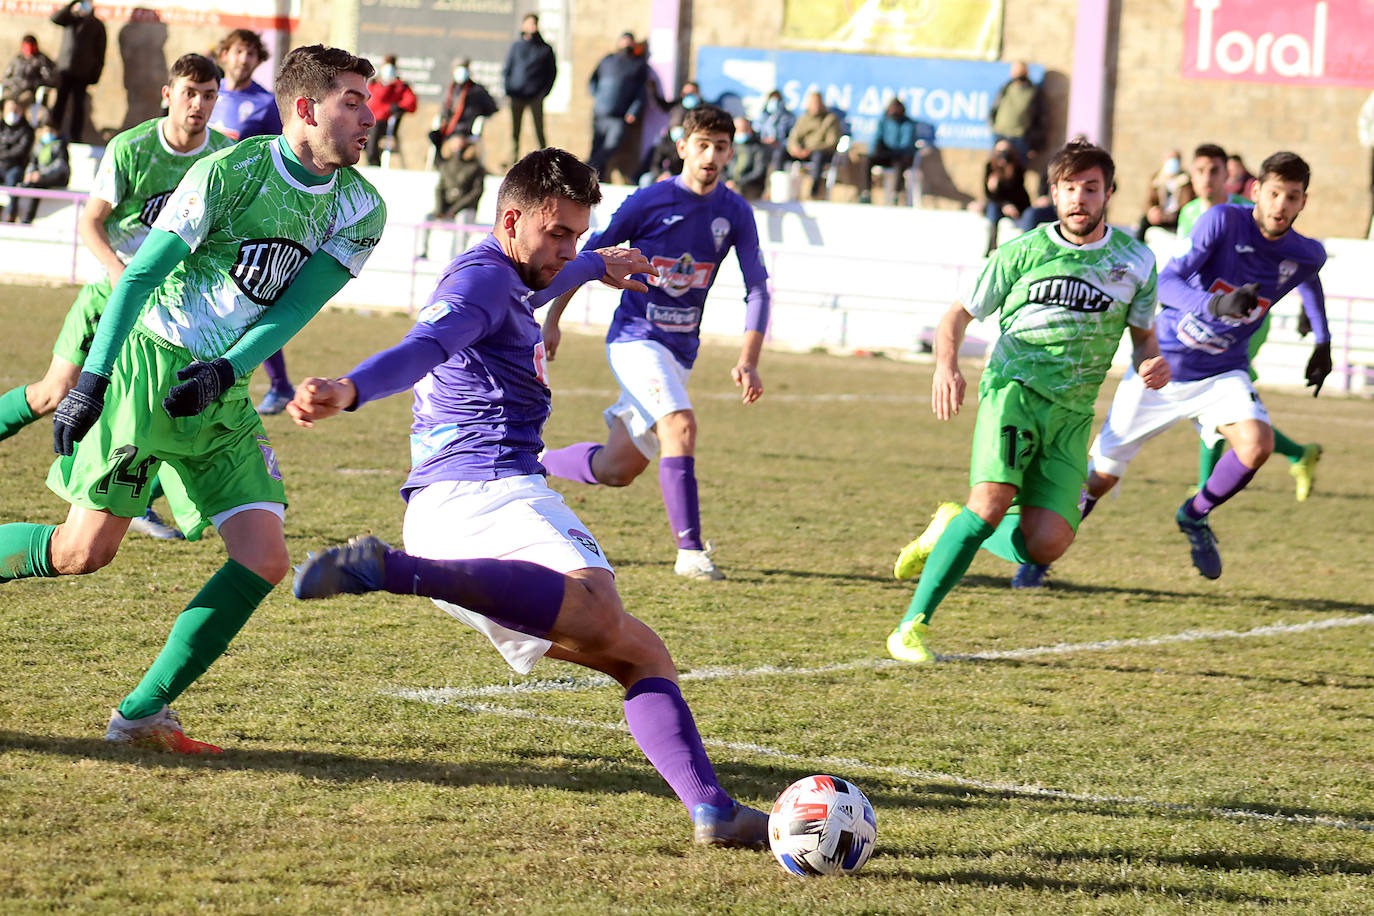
x,y
382,97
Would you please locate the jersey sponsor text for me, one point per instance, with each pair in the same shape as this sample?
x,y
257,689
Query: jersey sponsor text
x,y
265,267
1073,293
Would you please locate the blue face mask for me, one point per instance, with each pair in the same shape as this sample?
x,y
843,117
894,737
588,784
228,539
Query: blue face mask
x,y
691,100
675,134
770,106
742,136
47,138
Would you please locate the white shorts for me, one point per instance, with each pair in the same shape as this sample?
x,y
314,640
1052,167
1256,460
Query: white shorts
x,y
1138,414
514,518
653,384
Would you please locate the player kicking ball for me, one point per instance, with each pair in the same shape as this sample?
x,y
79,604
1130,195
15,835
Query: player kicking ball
x,y
686,226
486,538
252,243
1064,292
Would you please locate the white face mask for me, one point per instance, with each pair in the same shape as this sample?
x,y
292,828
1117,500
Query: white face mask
x,y
12,117
387,73
460,74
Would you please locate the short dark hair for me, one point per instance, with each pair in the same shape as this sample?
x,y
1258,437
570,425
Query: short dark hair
x,y
545,173
243,36
708,119
30,39
1286,166
1211,151
310,71
1079,156
195,67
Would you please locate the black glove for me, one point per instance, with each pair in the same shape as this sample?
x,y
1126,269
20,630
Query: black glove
x,y
1237,303
201,383
78,411
1304,323
1319,366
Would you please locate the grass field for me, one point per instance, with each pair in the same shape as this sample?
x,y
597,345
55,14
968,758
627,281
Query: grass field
x,y
1128,741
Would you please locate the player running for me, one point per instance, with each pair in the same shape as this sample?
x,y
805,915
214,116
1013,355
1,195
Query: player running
x,y
1213,297
485,536
686,226
1065,292
252,243
141,168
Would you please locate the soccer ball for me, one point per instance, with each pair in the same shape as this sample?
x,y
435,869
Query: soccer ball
x,y
822,825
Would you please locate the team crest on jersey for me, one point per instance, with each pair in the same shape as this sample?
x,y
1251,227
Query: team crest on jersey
x,y
1072,293
433,312
677,275
152,207
1286,270
1117,272
720,228
587,542
265,267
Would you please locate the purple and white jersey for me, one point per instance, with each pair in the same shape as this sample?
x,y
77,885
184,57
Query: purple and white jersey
x,y
1227,251
243,113
475,357
685,236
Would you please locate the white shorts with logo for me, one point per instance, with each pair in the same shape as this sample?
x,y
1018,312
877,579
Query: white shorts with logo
x,y
653,384
514,518
1138,414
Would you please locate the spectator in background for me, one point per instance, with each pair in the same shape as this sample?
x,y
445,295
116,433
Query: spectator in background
x,y
662,158
618,92
773,126
80,62
28,70
1018,113
893,146
748,168
16,142
48,168
528,75
461,177
245,108
465,101
1238,178
1170,189
1004,189
390,97
813,140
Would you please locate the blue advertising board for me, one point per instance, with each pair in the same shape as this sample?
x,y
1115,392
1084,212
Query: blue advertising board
x,y
952,96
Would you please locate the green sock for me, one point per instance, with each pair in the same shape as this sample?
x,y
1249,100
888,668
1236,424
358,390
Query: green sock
x,y
1008,542
947,563
1207,458
24,551
14,412
1287,447
199,636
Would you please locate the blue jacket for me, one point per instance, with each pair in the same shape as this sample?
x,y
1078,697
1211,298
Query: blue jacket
x,y
898,136
530,68
617,85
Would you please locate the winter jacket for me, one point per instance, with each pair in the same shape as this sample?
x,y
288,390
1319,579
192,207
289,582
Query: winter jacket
x,y
16,140
82,56
530,68
618,85
381,98
26,74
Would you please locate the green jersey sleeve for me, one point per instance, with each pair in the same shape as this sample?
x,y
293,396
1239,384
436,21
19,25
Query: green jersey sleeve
x,y
198,202
1141,313
111,182
361,217
990,290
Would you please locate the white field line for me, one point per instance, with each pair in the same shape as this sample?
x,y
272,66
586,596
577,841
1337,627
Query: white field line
x,y
846,765
595,681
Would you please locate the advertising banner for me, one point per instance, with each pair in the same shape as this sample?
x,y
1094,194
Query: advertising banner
x,y
1296,43
924,28
258,15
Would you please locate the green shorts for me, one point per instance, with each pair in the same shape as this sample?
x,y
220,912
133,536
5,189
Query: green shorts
x,y
78,328
222,457
1025,439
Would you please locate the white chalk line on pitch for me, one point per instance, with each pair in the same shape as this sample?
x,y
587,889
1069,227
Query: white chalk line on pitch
x,y
596,681
845,765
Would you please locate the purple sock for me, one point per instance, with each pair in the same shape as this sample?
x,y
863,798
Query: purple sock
x,y
663,728
516,594
1227,479
573,462
276,372
677,478
1089,504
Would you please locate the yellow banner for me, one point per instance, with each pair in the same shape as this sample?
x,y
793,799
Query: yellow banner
x,y
911,28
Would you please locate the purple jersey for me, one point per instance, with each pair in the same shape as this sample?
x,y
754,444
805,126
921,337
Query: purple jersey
x,y
1227,251
476,360
685,236
243,113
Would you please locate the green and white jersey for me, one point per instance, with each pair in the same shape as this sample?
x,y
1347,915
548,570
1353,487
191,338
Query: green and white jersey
x,y
251,227
1063,309
1193,210
137,174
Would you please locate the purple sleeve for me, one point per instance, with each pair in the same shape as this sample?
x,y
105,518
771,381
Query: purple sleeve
x,y
1178,284
584,268
757,301
396,369
1314,304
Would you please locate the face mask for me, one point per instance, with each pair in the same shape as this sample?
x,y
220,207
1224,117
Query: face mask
x,y
387,73
47,138
691,101
770,106
1172,166
11,117
675,134
28,49
460,74
742,136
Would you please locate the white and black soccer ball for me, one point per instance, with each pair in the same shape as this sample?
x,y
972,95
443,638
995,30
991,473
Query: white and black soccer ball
x,y
822,825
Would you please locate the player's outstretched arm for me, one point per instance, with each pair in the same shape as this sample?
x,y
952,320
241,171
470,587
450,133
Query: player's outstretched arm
x,y
553,334
1149,364
320,398
746,371
948,386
